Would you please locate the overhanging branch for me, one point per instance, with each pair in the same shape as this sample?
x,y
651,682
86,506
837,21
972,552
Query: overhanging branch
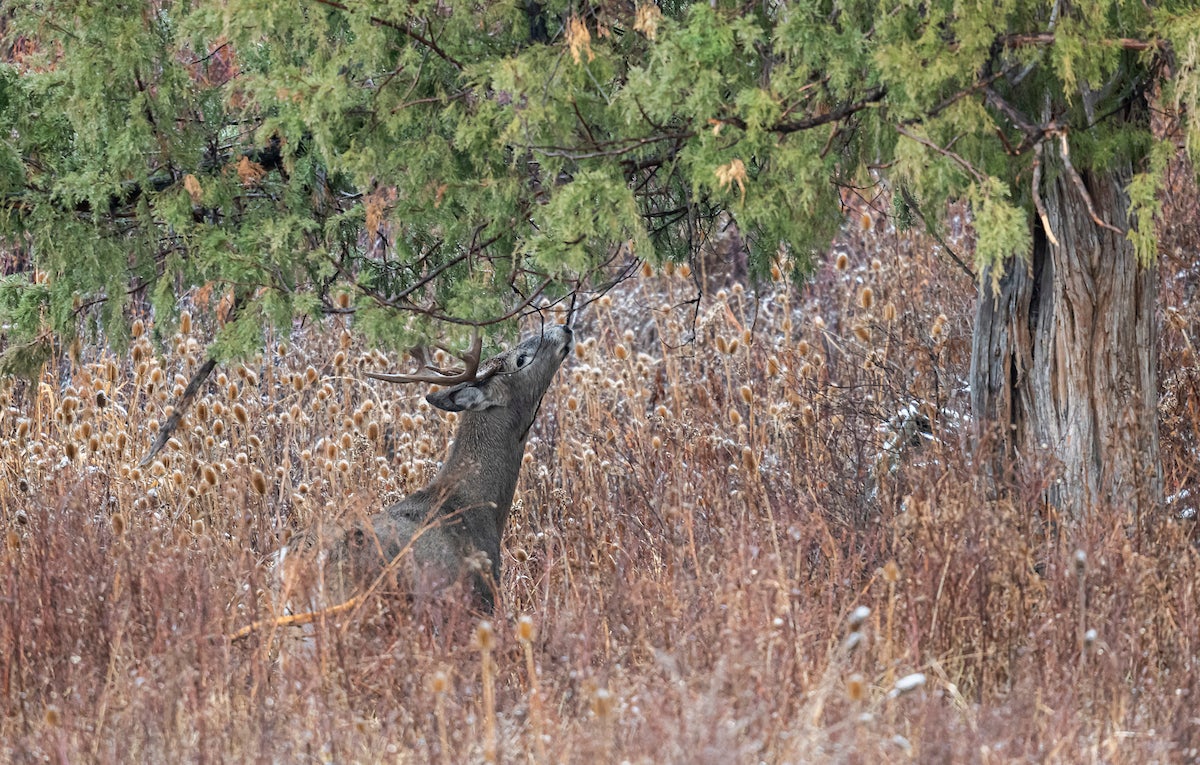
x,y
405,30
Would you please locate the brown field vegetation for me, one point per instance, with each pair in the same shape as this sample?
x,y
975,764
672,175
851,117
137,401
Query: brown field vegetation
x,y
740,535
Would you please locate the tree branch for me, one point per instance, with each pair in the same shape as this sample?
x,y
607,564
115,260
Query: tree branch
x,y
404,29
1037,194
944,152
1048,38
950,100
1083,192
873,96
1032,132
189,393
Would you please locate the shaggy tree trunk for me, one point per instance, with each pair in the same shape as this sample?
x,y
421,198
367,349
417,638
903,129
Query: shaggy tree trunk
x,y
1064,356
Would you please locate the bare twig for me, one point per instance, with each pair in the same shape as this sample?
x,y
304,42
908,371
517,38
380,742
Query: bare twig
x,y
873,96
292,620
1048,38
404,29
944,152
912,205
1037,194
618,148
954,98
1031,131
1083,192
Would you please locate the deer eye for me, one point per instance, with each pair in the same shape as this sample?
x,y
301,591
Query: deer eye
x,y
522,359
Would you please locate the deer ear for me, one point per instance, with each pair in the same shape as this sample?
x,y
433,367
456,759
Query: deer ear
x,y
464,396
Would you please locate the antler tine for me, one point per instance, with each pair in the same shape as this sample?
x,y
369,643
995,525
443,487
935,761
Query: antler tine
x,y
436,376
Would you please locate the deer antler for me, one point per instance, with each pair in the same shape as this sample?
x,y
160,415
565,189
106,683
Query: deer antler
x,y
436,375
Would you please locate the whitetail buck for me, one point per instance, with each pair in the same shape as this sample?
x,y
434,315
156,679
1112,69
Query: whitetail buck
x,y
450,530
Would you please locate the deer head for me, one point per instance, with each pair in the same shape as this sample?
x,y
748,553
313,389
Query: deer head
x,y
516,378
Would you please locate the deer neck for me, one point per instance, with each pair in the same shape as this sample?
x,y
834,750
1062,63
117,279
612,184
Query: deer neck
x,y
484,462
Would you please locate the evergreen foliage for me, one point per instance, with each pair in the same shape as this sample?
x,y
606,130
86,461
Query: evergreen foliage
x,y
444,163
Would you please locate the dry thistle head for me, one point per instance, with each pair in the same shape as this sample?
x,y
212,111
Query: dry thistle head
x,y
525,629
939,326
603,702
842,262
439,682
808,416
866,297
891,572
485,636
749,460
856,687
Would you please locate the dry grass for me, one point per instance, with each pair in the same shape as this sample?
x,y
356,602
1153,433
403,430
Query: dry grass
x,y
735,549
